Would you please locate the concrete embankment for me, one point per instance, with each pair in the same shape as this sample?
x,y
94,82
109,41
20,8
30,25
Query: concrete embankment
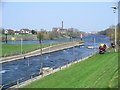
x,y
44,51
50,72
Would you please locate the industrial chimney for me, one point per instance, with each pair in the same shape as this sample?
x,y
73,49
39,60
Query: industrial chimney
x,y
62,24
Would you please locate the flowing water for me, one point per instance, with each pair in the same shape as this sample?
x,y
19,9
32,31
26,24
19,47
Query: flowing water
x,y
15,70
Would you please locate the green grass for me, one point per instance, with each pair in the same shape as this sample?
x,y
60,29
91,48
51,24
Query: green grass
x,y
99,71
15,49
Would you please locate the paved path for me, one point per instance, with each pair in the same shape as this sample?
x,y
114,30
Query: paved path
x,y
44,50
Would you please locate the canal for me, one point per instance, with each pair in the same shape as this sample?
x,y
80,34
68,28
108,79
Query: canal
x,y
24,68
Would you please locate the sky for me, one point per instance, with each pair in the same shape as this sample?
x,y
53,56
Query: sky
x,y
85,16
119,12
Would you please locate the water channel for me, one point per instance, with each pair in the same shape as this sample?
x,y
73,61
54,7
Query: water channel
x,y
15,70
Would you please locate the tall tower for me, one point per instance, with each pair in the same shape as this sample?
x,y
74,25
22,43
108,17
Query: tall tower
x,y
62,24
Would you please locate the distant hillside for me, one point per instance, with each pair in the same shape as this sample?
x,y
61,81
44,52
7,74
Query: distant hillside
x,y
110,32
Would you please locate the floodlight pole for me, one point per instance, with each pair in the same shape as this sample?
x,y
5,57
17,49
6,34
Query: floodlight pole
x,y
40,42
114,10
22,31
6,32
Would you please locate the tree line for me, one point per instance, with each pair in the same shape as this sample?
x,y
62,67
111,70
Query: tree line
x,y
50,35
43,34
110,32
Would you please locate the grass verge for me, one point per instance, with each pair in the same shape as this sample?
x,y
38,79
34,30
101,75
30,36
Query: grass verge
x,y
15,49
99,71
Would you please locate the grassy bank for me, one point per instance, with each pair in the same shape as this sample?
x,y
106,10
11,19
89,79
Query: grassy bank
x,y
18,37
15,49
99,71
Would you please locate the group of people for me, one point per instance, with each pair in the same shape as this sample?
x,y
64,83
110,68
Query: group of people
x,y
103,47
112,45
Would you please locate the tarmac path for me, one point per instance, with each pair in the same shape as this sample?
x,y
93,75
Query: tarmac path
x,y
42,51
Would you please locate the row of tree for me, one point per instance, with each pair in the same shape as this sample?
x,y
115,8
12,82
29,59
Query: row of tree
x,y
44,34
110,32
49,35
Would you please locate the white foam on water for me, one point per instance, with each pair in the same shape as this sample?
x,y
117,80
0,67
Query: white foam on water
x,y
47,57
16,67
65,51
3,71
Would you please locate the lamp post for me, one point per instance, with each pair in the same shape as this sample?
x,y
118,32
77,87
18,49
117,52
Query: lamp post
x,y
22,32
40,42
6,32
21,41
114,10
81,37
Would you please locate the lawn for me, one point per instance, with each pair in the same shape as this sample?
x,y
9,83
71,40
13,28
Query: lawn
x,y
99,71
15,49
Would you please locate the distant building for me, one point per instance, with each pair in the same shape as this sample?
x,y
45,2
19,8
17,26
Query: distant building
x,y
17,32
9,31
63,31
55,29
94,32
25,31
59,30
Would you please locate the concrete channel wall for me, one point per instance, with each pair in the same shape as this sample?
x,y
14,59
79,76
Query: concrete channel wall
x,y
19,85
44,51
